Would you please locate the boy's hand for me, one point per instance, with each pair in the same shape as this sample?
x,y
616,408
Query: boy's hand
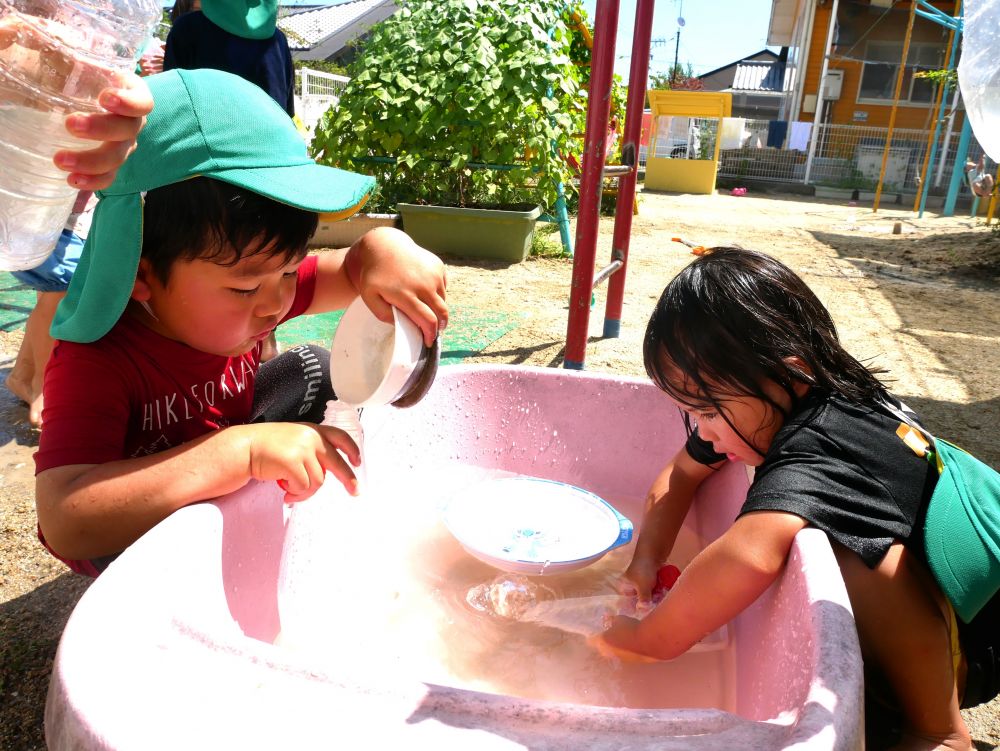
x,y
298,455
389,270
127,107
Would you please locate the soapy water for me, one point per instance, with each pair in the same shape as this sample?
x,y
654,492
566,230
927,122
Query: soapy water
x,y
414,604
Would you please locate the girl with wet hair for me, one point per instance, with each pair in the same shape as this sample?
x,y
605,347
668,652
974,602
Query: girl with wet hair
x,y
752,358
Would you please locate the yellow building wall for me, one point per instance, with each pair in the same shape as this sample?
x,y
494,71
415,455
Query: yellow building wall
x,y
892,28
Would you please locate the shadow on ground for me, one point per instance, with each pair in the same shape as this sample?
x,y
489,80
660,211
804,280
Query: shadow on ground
x,y
936,285
30,627
966,259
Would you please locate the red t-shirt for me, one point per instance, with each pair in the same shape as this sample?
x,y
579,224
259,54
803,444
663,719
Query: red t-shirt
x,y
134,392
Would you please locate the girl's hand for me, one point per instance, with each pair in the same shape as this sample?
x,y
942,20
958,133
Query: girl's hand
x,y
389,270
639,580
117,128
298,456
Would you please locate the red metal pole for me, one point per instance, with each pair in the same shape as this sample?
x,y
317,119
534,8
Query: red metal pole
x,y
602,63
637,77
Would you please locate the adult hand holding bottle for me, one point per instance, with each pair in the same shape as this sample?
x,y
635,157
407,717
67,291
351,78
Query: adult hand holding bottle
x,y
124,97
58,61
116,129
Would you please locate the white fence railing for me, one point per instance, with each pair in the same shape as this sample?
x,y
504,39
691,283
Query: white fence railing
x,y
317,92
843,156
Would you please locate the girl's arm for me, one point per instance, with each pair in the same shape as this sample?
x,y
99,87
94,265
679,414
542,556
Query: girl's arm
x,y
722,580
388,270
91,510
667,504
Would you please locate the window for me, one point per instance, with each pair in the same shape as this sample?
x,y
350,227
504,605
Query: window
x,y
881,66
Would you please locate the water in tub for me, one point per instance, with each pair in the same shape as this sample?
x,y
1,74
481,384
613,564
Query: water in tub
x,y
391,593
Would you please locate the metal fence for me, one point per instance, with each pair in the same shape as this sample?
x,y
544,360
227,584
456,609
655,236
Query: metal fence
x,y
316,92
847,156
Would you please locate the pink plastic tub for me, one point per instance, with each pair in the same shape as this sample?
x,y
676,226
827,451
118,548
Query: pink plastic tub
x,y
173,647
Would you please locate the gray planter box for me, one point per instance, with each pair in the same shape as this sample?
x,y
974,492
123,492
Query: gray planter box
x,y
840,194
345,232
496,234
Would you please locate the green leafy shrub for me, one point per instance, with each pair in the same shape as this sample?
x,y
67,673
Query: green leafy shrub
x,y
462,103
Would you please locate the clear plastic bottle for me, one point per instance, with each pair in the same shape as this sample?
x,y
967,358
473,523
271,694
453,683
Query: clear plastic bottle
x,y
322,541
55,58
852,215
344,416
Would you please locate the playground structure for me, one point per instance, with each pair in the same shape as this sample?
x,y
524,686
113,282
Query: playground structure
x,y
686,175
584,277
955,25
605,27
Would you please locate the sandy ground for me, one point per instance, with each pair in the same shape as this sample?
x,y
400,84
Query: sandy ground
x,y
923,304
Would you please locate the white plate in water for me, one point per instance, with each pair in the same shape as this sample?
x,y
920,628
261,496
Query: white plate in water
x,y
528,525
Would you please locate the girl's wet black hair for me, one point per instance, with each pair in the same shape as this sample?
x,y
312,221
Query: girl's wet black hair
x,y
731,320
215,221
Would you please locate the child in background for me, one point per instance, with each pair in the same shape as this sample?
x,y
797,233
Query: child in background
x,y
196,252
980,181
751,357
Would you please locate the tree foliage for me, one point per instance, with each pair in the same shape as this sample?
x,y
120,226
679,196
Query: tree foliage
x,y
446,86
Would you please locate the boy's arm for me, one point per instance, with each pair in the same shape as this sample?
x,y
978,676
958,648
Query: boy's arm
x,y
388,270
722,580
667,504
86,511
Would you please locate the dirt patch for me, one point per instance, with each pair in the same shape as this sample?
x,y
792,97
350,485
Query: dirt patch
x,y
922,304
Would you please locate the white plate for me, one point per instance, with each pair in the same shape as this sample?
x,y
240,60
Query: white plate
x,y
528,525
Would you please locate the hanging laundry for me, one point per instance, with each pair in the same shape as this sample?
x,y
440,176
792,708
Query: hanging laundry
x,y
732,132
776,132
798,136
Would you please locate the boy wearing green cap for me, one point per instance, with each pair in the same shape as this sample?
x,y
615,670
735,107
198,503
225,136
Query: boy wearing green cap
x,y
196,252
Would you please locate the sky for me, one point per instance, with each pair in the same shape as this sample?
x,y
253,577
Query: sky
x,y
715,32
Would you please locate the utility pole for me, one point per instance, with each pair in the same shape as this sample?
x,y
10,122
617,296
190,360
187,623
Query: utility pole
x,y
655,43
677,45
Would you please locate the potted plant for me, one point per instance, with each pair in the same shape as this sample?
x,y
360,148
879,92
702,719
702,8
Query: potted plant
x,y
454,105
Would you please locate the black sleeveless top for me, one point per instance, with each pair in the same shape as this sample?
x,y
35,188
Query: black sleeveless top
x,y
842,468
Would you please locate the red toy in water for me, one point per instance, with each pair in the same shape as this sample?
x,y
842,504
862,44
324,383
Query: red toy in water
x,y
666,577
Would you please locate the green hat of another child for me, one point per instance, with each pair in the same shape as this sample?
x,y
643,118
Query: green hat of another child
x,y
204,123
250,19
